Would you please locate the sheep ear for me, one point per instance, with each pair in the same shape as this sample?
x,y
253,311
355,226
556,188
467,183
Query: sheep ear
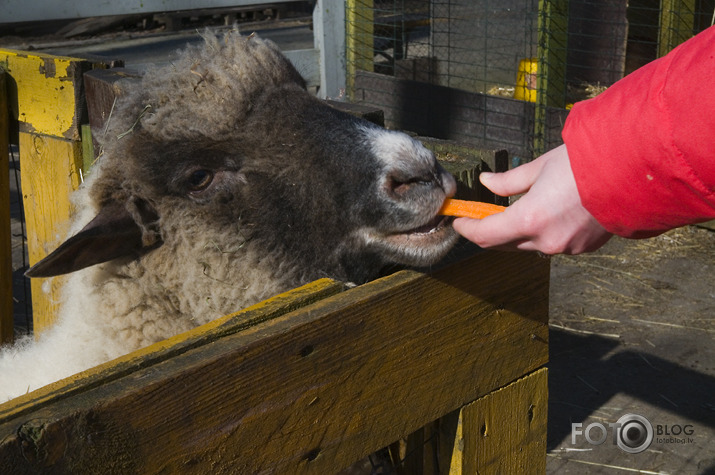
x,y
115,232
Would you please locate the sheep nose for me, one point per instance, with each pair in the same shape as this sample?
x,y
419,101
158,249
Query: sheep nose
x,y
402,182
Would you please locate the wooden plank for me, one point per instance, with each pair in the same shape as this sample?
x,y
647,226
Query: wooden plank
x,y
212,331
430,110
310,391
50,171
502,432
372,114
102,87
466,162
46,92
6,315
329,38
505,431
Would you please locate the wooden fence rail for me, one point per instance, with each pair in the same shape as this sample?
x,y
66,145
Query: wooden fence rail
x,y
6,313
324,378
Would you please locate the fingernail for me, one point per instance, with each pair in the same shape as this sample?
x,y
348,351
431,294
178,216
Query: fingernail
x,y
485,176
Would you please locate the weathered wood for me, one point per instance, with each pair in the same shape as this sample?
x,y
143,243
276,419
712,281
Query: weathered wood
x,y
502,432
505,431
482,120
46,96
45,92
210,332
6,318
466,162
329,39
310,391
50,171
102,88
373,114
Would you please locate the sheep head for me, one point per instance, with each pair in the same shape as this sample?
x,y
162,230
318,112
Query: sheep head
x,y
225,152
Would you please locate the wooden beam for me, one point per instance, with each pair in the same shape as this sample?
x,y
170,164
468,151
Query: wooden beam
x,y
310,391
49,172
6,313
178,344
47,99
329,38
103,87
46,95
502,432
505,432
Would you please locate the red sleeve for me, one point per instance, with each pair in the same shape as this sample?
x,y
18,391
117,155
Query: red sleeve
x,y
643,152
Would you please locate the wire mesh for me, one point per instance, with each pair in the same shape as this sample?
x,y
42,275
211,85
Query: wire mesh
x,y
503,73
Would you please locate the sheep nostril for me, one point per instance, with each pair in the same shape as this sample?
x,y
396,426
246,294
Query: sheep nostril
x,y
399,187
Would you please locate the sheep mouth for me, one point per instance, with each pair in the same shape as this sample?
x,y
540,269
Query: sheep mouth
x,y
435,225
420,246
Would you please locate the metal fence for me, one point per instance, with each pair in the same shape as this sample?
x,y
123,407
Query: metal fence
x,y
503,73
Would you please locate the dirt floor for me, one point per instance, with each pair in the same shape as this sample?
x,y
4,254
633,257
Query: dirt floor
x,y
633,332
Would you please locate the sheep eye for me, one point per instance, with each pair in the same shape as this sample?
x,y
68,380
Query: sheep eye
x,y
200,180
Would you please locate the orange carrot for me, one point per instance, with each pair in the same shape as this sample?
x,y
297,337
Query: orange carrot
x,y
469,209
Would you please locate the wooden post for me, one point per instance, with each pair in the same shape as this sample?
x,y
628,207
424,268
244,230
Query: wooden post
x,y
329,34
503,432
6,319
677,19
359,31
47,104
551,72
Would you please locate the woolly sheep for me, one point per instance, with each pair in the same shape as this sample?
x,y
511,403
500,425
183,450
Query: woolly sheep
x,y
224,182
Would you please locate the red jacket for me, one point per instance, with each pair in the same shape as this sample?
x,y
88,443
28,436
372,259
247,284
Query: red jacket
x,y
643,152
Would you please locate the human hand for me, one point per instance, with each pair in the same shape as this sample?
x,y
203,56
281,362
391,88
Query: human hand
x,y
548,218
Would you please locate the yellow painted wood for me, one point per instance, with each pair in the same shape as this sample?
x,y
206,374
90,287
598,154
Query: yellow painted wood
x,y
163,350
505,431
359,39
6,323
45,97
677,18
50,171
45,89
310,391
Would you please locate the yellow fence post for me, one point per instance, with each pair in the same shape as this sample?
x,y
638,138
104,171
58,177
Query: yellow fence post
x,y
45,98
359,28
6,323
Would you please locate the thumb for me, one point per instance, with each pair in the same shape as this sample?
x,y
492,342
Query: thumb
x,y
515,181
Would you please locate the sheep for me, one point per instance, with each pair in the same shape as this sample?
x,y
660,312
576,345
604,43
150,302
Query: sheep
x,y
222,182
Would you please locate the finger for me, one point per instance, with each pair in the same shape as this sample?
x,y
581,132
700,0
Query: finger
x,y
496,231
514,181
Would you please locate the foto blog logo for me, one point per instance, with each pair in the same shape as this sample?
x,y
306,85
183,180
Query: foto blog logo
x,y
632,433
